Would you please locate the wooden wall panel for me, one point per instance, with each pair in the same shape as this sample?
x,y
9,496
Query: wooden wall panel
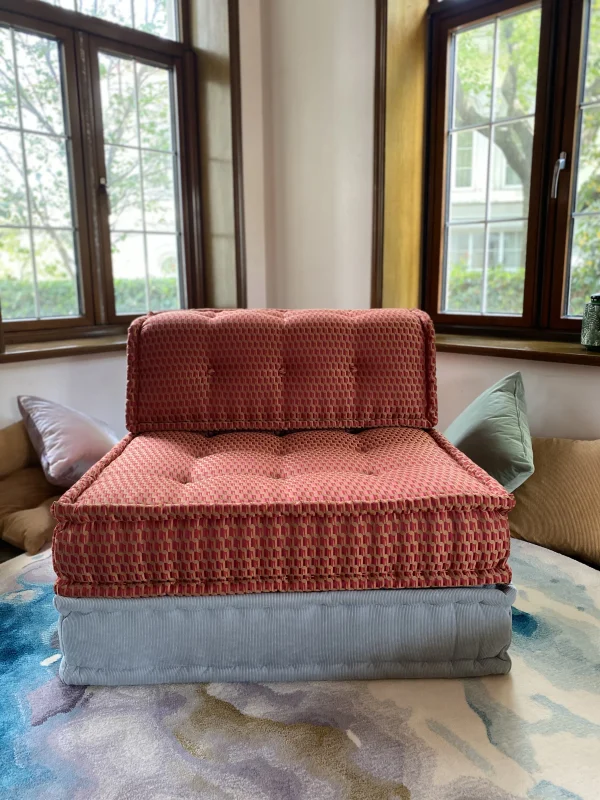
x,y
404,151
211,40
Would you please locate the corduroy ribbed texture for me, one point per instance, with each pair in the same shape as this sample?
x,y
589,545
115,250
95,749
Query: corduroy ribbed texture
x,y
296,636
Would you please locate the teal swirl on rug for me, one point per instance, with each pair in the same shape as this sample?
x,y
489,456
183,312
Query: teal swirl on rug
x,y
532,734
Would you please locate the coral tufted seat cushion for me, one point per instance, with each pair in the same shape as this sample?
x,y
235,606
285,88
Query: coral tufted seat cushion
x,y
186,513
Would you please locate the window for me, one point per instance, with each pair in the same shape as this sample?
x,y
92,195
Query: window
x,y
38,224
95,203
141,165
583,264
521,79
152,16
463,171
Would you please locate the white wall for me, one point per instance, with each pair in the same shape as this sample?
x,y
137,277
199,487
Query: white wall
x,y
316,107
94,384
562,399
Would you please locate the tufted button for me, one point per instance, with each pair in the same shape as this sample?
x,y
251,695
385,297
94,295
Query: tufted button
x,y
210,371
353,368
281,371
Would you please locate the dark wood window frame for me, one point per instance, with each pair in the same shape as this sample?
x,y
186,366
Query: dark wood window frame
x,y
81,36
549,220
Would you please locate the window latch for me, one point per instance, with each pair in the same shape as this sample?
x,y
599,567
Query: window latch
x,y
559,165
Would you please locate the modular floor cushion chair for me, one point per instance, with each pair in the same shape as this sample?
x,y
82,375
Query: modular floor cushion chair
x,y
282,509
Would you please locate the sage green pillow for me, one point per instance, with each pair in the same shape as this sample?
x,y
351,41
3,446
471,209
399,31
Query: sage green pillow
x,y
494,433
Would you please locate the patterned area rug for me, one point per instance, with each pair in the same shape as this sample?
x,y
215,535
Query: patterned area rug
x,y
532,734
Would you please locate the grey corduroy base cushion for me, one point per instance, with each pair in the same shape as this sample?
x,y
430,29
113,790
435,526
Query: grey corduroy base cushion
x,y
404,633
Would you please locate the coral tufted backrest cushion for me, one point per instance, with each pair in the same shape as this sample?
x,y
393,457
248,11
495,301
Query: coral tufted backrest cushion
x,y
265,369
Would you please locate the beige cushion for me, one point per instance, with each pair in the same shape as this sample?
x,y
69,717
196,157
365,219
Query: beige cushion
x,y
26,488
16,450
559,506
30,529
25,499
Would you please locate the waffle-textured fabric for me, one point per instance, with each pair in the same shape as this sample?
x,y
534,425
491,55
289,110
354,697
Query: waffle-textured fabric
x,y
264,369
183,513
404,633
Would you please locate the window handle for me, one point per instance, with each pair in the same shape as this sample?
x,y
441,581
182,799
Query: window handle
x,y
560,164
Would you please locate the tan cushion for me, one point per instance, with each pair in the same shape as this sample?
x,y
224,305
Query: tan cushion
x,y
30,529
26,488
16,450
559,506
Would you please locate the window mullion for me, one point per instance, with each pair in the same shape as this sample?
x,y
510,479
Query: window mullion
x,y
136,89
486,230
94,169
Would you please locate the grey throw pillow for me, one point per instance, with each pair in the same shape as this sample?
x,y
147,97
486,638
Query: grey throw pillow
x,y
494,432
68,442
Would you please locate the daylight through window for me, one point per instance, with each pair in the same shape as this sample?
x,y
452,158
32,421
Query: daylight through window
x,y
490,130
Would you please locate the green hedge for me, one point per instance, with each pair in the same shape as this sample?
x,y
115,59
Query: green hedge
x,y
505,288
58,298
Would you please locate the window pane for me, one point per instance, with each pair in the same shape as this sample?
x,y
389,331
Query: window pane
x,y
125,188
505,275
162,267
587,196
40,84
464,160
516,64
473,64
142,185
17,288
494,78
159,191
464,280
118,100
583,266
56,273
468,200
13,196
9,113
39,270
592,83
118,11
584,273
156,16
153,16
48,179
513,148
156,129
70,4
129,273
